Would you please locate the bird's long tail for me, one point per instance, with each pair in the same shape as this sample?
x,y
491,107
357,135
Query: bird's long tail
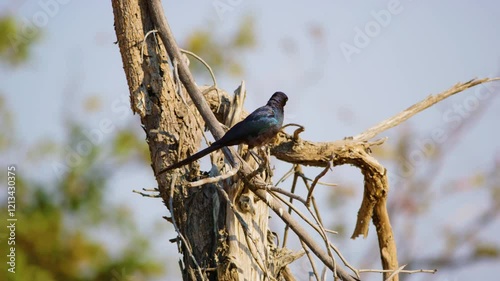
x,y
192,158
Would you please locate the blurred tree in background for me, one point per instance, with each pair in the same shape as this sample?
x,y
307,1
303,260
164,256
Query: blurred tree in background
x,y
222,55
58,219
14,42
55,237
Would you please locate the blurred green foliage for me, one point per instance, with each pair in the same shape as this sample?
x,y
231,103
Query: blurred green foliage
x,y
58,217
57,221
223,54
126,145
15,40
63,221
5,126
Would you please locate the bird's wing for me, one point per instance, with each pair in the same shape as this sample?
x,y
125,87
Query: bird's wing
x,y
260,120
256,123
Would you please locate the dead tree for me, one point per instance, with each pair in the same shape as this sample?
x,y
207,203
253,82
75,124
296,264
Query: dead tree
x,y
221,216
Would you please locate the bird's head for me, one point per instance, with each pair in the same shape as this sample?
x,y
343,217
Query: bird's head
x,y
278,98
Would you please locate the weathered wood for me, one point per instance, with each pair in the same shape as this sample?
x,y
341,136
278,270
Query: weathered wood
x,y
215,238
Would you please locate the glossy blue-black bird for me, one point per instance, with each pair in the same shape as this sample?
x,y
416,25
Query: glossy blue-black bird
x,y
257,129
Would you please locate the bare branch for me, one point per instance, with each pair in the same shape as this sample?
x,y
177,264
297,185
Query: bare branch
x,y
144,194
418,107
227,175
355,151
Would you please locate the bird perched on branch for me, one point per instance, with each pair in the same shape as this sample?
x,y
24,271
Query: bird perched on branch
x,y
257,129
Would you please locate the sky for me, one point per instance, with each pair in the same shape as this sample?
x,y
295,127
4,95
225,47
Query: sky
x,y
345,66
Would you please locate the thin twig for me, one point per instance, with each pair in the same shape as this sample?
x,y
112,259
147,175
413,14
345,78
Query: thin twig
x,y
311,260
294,185
285,176
320,175
317,182
146,194
335,249
185,52
201,182
344,260
296,133
294,125
323,274
144,42
289,194
317,217
395,272
401,271
331,231
205,64
299,213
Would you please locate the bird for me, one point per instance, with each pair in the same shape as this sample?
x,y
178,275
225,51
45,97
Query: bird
x,y
257,129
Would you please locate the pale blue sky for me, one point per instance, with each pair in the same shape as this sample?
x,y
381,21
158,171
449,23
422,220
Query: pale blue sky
x,y
424,48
